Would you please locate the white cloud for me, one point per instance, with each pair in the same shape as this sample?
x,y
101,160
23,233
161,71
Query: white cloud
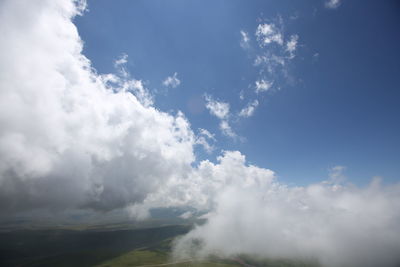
x,y
241,95
207,134
244,42
276,51
221,111
216,108
201,140
263,86
70,138
336,174
204,138
255,214
122,60
248,111
226,129
186,215
259,60
269,33
332,4
172,81
315,57
291,45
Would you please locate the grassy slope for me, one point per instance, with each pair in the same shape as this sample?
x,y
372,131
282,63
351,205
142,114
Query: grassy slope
x,y
147,257
108,248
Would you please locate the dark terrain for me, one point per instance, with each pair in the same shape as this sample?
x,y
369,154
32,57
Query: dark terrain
x,y
61,247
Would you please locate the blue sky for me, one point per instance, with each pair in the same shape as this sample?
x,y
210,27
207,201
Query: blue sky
x,y
338,105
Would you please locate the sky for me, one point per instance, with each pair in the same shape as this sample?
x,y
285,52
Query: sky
x,y
276,122
336,106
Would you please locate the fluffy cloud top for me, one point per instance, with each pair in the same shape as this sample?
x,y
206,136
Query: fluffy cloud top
x,y
70,137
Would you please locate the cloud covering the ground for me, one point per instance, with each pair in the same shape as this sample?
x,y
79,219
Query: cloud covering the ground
x,y
337,224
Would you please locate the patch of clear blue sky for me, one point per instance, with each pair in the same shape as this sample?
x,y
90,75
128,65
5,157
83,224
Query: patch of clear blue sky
x,y
343,108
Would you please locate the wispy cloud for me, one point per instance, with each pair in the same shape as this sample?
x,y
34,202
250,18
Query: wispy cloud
x,y
248,111
217,108
206,140
172,81
332,4
268,33
275,52
206,133
291,45
122,60
226,129
262,85
221,111
245,40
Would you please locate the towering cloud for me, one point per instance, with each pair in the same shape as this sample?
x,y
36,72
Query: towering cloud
x,y
70,137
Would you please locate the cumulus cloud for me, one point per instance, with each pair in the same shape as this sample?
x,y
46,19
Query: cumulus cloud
x,y
172,81
70,138
248,111
332,4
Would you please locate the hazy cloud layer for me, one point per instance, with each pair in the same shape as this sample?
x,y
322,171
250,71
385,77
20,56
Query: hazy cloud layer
x,y
335,224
